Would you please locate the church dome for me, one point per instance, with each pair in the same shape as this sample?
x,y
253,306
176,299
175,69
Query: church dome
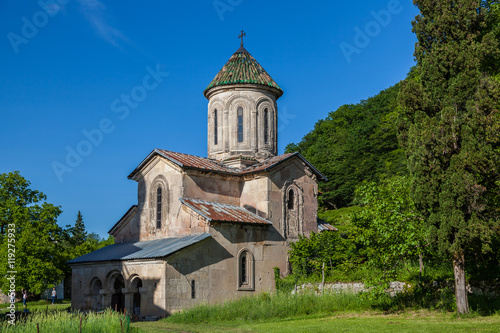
x,y
243,69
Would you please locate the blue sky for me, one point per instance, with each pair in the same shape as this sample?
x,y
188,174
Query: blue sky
x,y
89,88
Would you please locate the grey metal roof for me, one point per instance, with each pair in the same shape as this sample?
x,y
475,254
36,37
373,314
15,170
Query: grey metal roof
x,y
157,248
324,226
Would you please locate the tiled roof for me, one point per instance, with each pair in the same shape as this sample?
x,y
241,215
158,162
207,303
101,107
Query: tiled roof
x,y
206,164
157,248
242,68
192,161
219,212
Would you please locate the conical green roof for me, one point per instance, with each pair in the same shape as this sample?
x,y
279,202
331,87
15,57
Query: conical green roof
x,y
242,68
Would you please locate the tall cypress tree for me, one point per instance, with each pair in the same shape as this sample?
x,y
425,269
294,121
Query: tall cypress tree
x,y
451,127
79,234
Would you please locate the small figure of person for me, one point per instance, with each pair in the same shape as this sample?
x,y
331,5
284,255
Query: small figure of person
x,y
13,297
54,295
25,297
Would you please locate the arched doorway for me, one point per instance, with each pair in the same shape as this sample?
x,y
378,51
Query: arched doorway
x,y
117,296
136,302
95,296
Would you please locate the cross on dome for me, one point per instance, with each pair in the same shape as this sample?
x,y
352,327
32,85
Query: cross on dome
x,y
241,36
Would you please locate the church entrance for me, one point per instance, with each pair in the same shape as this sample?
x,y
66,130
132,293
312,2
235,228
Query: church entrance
x,y
118,298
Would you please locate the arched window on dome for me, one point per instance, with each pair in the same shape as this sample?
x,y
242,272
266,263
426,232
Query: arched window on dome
x,y
215,127
240,124
266,126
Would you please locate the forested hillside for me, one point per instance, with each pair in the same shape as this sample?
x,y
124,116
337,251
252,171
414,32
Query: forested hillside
x,y
355,143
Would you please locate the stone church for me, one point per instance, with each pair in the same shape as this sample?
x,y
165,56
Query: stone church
x,y
205,230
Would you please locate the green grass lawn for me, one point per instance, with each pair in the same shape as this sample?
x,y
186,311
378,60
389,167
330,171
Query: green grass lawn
x,y
412,321
40,305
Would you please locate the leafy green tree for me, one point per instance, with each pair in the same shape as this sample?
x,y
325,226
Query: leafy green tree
x,y
450,126
308,255
390,226
27,219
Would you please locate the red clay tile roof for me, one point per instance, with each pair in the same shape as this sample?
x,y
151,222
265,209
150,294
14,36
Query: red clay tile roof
x,y
196,162
242,68
219,212
206,164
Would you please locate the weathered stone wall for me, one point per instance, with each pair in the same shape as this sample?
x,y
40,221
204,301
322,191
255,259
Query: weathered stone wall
x,y
303,218
212,187
255,195
213,265
128,228
489,288
349,287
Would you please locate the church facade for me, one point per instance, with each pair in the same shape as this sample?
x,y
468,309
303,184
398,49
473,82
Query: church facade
x,y
207,229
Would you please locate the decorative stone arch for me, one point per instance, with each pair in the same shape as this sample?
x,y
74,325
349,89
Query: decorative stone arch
x,y
264,104
214,101
231,101
218,105
246,270
159,182
292,223
248,106
112,293
110,278
135,294
95,287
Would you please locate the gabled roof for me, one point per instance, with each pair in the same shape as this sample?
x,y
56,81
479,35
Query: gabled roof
x,y
219,212
187,161
242,68
158,248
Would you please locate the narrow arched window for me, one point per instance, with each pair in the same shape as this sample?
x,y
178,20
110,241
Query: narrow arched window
x,y
193,289
291,198
158,207
215,127
244,272
266,126
240,124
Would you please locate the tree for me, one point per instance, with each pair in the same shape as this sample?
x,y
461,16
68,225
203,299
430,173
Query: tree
x,y
78,233
29,233
389,225
308,255
450,125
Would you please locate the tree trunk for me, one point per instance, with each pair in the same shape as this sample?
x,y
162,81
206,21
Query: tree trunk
x,y
460,286
421,265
